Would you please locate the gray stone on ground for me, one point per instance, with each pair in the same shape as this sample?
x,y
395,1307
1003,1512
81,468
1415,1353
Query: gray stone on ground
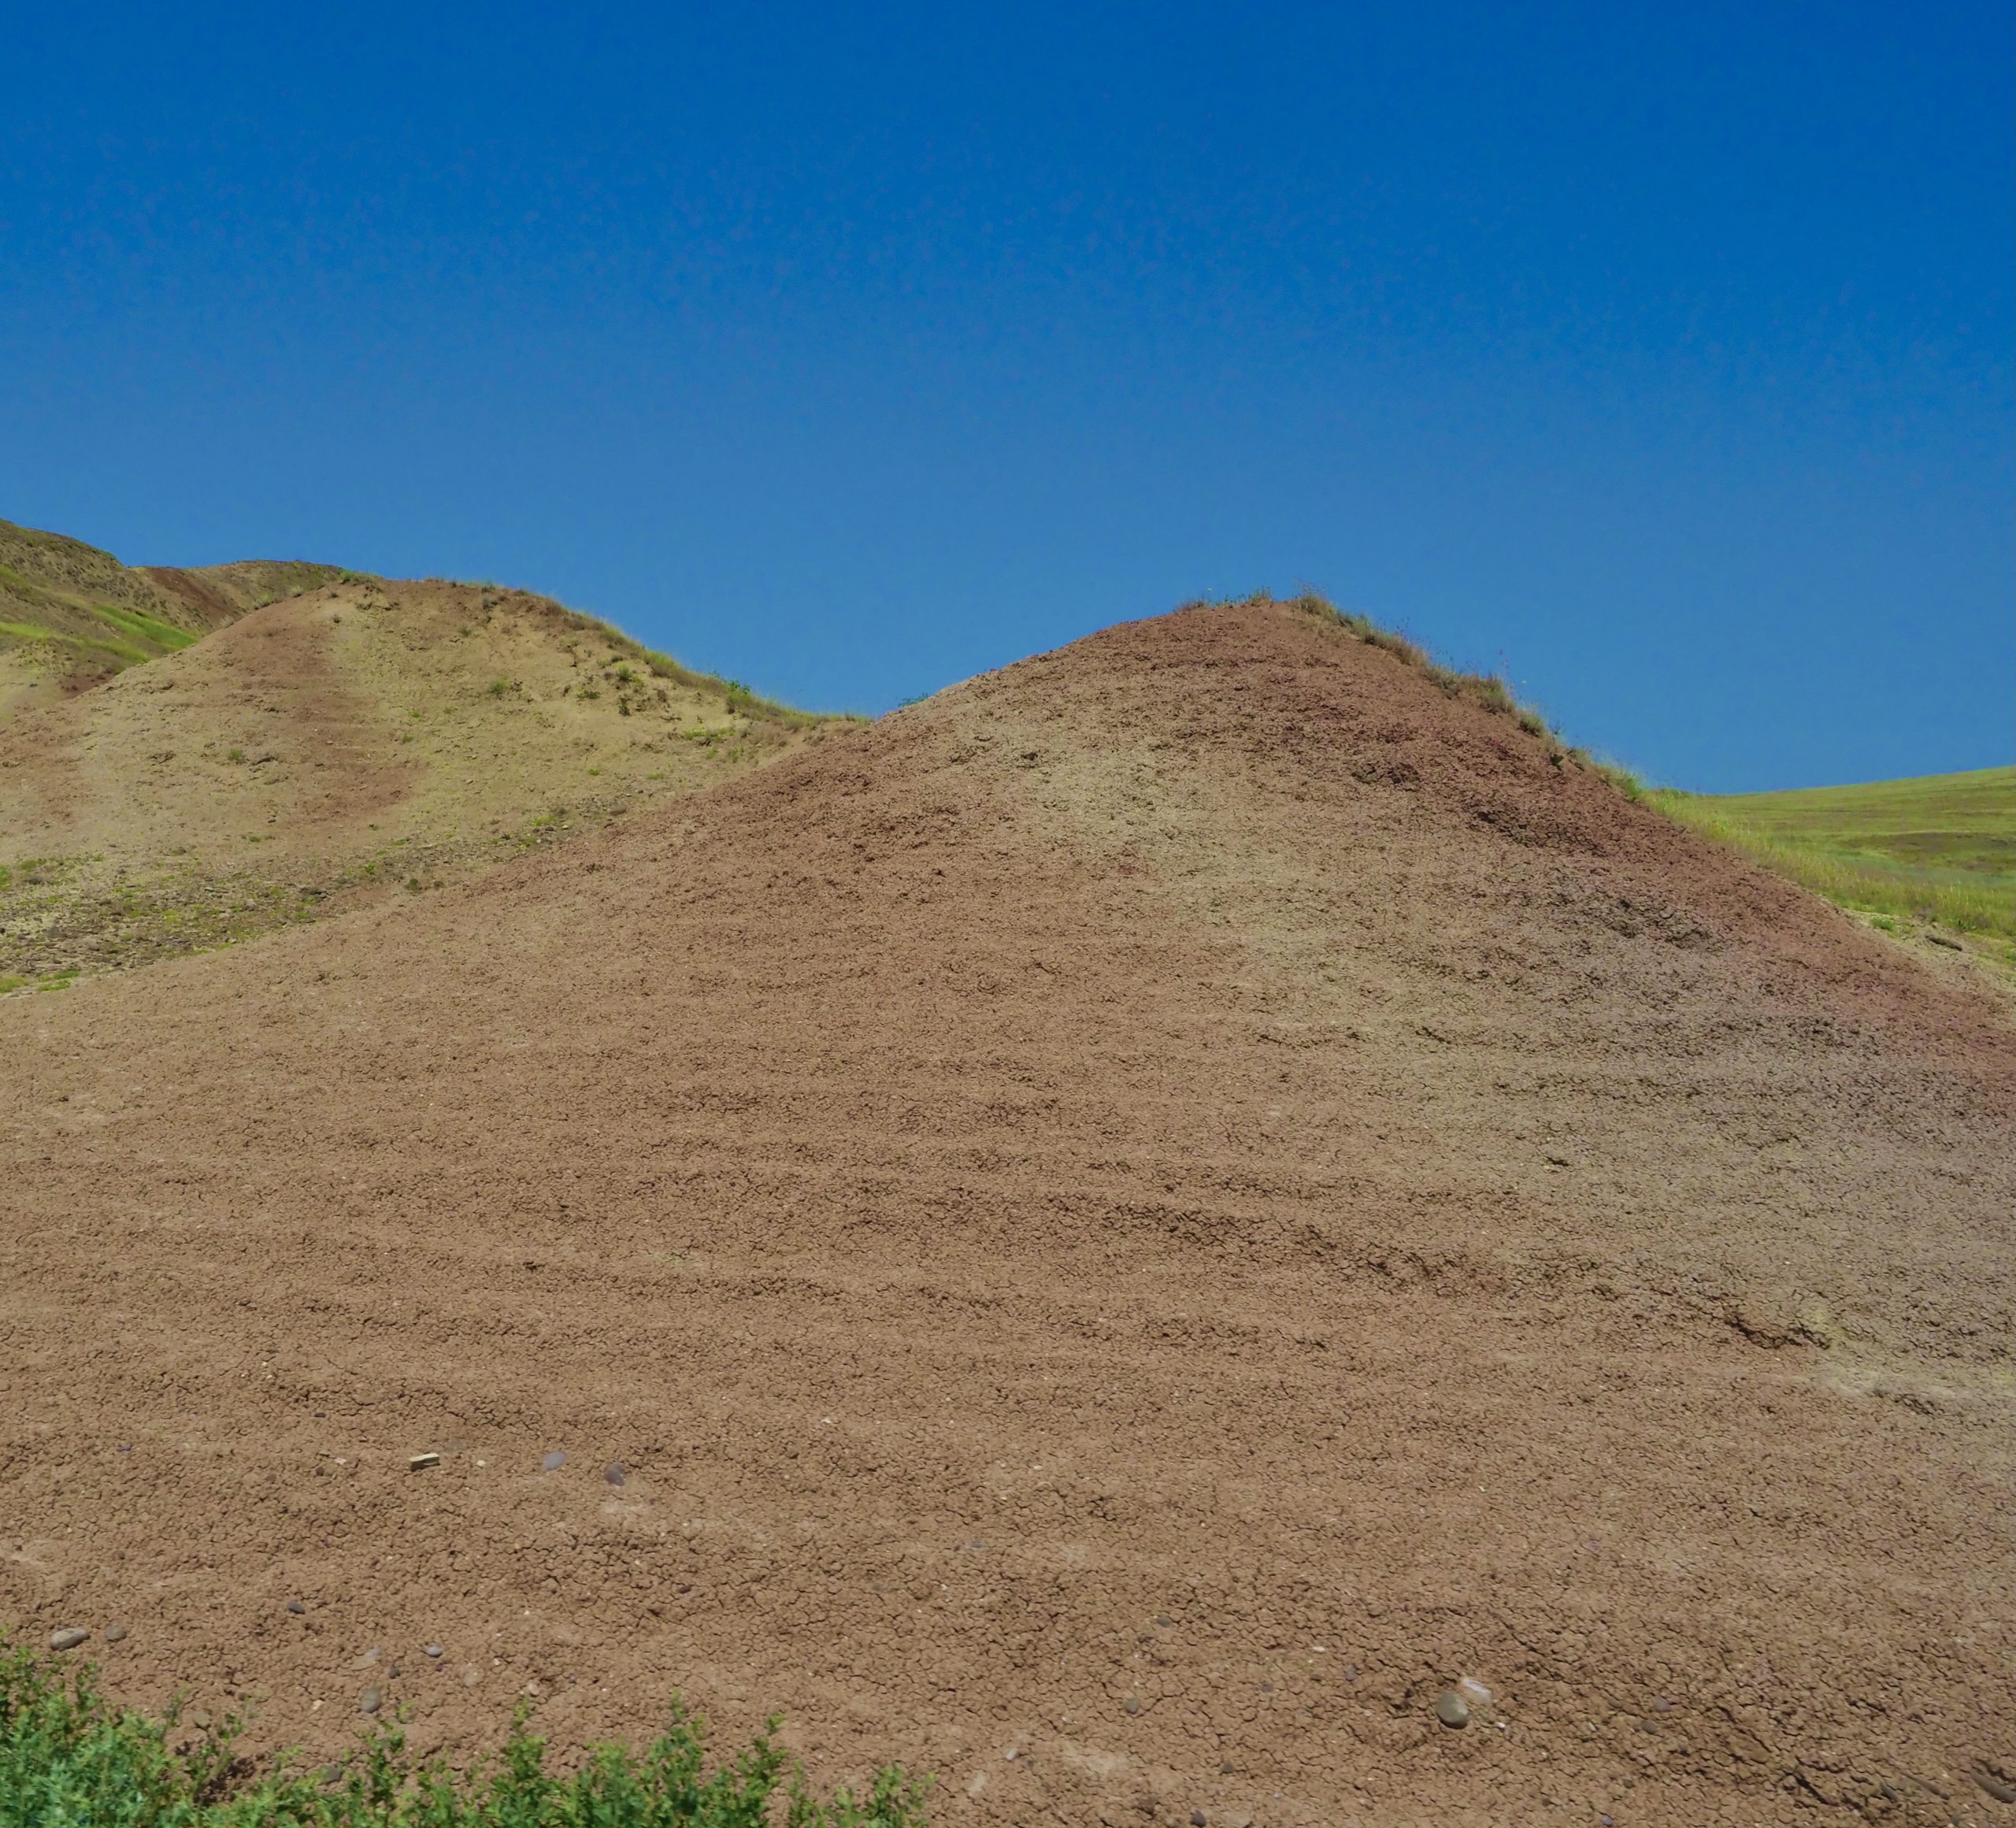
x,y
114,1633
67,1637
1451,1709
371,1701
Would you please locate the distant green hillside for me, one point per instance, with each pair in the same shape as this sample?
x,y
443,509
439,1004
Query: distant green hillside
x,y
71,615
1940,847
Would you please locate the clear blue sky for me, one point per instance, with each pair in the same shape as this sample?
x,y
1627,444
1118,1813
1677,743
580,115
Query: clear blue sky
x,y
1660,354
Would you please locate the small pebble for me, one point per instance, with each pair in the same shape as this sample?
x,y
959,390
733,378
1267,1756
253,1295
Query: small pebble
x,y
296,1607
371,1701
553,1462
433,1650
1662,1706
114,1633
1164,1620
470,1678
613,1472
1132,1704
1452,1709
420,1463
68,1638
1995,1787
1196,1818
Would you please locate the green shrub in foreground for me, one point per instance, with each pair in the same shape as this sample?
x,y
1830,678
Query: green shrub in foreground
x,y
69,1758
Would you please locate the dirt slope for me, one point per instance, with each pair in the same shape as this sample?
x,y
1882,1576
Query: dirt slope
x,y
72,617
362,738
1150,1214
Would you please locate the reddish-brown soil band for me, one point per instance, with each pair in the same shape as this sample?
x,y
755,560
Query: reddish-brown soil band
x,y
1152,1212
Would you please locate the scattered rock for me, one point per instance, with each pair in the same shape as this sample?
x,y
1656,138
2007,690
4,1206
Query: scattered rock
x,y
420,1463
1164,1620
1197,1819
114,1633
296,1607
371,1701
433,1650
1995,1787
1451,1709
553,1462
68,1638
471,1678
1956,946
613,1472
1474,1691
1132,1704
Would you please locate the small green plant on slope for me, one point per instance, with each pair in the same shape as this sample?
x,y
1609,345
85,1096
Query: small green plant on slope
x,y
68,1758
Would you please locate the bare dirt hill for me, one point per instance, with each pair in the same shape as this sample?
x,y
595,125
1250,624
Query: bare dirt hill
x,y
1116,1235
359,738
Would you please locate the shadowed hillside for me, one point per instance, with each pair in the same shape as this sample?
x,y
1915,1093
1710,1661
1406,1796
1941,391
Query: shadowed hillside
x,y
1146,1234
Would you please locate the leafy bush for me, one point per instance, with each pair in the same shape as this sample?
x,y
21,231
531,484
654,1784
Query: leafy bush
x,y
68,1758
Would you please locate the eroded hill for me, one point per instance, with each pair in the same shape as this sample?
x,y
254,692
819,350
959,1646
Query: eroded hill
x,y
72,617
360,738
1118,1235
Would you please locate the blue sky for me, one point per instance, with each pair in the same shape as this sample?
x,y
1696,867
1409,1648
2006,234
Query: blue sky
x,y
1661,357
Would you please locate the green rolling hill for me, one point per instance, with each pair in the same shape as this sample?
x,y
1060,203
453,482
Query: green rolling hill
x,y
1936,847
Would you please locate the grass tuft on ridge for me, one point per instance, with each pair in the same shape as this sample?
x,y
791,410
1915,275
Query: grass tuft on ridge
x,y
1480,689
69,1758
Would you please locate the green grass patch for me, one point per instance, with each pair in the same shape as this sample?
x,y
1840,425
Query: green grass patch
x,y
1935,847
165,636
126,653
70,1758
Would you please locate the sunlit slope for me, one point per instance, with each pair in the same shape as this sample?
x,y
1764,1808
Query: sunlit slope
x,y
72,616
1936,846
1159,1209
358,738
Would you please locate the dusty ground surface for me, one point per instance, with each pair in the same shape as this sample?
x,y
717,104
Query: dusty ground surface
x,y
1150,1213
362,739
